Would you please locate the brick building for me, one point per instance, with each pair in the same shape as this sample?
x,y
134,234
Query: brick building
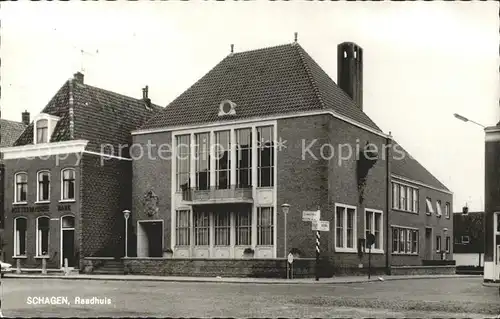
x,y
65,188
468,246
280,125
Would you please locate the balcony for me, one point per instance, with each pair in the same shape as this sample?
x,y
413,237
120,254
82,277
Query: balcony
x,y
213,195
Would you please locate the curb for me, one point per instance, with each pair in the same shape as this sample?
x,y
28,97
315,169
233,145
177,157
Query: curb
x,y
228,280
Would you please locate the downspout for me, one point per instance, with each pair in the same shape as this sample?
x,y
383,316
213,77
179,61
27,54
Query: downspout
x,y
388,158
71,111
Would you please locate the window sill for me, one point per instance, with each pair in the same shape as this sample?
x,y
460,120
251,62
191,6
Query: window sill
x,y
346,250
428,214
375,251
265,187
42,202
404,211
42,257
67,200
20,203
405,254
19,257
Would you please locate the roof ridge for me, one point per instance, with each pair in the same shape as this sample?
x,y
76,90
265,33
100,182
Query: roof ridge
x,y
261,49
310,76
116,93
17,122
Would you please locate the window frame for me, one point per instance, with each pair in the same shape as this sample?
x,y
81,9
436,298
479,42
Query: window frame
x,y
375,212
429,209
39,240
344,248
439,211
447,210
178,218
37,128
16,243
405,240
464,242
217,169
38,186
261,147
261,227
16,201
203,151
405,197
238,226
438,243
239,158
62,199
202,226
447,245
180,152
222,228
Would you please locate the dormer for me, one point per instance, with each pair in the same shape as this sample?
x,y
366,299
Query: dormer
x,y
43,127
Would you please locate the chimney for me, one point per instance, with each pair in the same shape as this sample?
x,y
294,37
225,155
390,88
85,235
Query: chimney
x,y
145,97
26,118
350,71
78,77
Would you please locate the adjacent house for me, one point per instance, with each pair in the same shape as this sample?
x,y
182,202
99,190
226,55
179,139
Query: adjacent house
x,y
468,228
67,176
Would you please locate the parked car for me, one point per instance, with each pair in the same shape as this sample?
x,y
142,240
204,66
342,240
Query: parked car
x,y
5,268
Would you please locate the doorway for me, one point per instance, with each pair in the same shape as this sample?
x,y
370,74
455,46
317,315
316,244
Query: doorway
x,y
150,238
68,240
428,243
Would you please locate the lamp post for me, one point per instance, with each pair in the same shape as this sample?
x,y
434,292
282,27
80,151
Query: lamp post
x,y
286,208
126,215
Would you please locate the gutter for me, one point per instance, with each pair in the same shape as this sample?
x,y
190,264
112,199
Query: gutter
x,y
388,156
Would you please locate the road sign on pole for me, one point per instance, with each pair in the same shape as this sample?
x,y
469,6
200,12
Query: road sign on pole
x,y
320,225
309,216
370,240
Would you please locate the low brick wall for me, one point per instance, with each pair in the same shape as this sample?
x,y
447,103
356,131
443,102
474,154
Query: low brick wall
x,y
423,270
91,263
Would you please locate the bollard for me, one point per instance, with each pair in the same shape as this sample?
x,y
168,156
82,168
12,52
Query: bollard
x,y
65,266
44,266
18,266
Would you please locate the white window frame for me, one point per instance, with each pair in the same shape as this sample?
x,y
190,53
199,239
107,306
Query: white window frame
x,y
261,227
402,193
465,241
206,227
447,210
344,248
438,243
240,226
62,185
428,205
15,188
38,199
381,228
439,212
39,240
178,213
219,147
16,243
222,232
260,148
405,231
51,124
447,244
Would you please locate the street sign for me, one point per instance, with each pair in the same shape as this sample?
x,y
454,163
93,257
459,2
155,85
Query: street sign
x,y
321,225
370,239
290,258
309,216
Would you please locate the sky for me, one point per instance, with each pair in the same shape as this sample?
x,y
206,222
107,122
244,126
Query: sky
x,y
423,61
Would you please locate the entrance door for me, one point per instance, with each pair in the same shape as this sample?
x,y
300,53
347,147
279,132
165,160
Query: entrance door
x,y
68,240
150,239
428,243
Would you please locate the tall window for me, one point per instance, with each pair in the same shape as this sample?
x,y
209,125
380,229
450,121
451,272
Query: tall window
x,y
244,158
42,131
438,243
373,225
20,226
42,239
21,187
201,229
223,159
68,184
265,138
404,198
244,228
222,228
182,227
265,226
447,210
345,227
183,161
395,197
43,186
415,200
438,208
448,244
405,240
202,161
428,206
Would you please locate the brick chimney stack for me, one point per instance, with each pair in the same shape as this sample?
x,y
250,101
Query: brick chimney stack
x,y
350,71
78,77
26,118
145,96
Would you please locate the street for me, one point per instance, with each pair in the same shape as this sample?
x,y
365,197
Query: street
x,y
424,298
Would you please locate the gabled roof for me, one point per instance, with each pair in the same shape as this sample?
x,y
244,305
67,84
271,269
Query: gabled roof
x,y
270,81
100,116
9,132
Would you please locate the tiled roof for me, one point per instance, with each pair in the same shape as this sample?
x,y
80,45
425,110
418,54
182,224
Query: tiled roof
x,y
406,166
270,81
9,132
100,116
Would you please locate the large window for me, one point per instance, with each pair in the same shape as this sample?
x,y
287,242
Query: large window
x,y
447,210
182,228
43,189
20,226
183,143
244,158
373,225
265,138
265,226
68,184
201,229
21,187
405,240
223,159
202,159
345,227
42,236
222,228
404,198
244,228
42,131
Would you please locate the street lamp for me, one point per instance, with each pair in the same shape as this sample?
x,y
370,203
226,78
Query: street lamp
x,y
286,208
464,119
126,215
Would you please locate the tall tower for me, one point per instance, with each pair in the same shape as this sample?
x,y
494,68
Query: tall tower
x,y
350,71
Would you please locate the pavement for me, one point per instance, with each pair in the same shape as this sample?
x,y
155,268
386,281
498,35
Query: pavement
x,y
332,280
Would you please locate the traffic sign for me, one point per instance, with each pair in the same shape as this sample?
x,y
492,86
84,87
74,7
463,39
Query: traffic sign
x,y
309,216
290,258
370,239
321,225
